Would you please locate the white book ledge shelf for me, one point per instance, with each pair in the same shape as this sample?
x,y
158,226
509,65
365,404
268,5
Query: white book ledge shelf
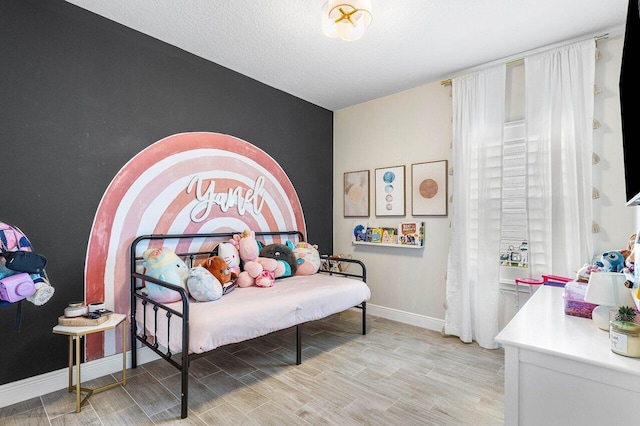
x,y
406,235
398,245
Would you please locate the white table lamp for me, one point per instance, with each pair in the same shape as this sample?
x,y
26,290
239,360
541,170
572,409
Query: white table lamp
x,y
607,290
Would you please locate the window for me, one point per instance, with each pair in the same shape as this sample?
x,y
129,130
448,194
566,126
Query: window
x,y
513,241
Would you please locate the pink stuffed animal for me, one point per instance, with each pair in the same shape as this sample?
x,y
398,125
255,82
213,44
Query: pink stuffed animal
x,y
265,279
260,271
247,245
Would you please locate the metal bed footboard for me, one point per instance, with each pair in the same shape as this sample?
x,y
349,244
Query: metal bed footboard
x,y
137,284
362,276
151,341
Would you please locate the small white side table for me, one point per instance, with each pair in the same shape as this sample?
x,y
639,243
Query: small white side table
x,y
75,333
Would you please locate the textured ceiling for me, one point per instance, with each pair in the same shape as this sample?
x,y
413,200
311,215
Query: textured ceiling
x,y
409,43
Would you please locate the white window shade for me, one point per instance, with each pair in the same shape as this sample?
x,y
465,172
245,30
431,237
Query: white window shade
x,y
513,240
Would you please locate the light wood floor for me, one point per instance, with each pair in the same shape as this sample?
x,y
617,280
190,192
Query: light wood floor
x,y
395,375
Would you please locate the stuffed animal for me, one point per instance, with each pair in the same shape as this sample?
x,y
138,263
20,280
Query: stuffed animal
x,y
247,246
219,269
307,258
265,279
611,261
283,253
630,257
583,274
261,272
252,267
203,285
231,256
163,264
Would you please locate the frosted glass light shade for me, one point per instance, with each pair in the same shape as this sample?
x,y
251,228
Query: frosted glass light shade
x,y
607,290
346,19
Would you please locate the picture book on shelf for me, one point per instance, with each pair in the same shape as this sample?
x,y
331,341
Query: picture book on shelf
x,y
375,236
411,233
389,236
359,231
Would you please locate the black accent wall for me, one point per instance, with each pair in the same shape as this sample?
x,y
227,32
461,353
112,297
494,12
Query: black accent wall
x,y
79,97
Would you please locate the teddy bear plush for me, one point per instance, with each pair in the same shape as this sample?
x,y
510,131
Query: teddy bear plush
x,y
219,269
283,253
162,263
307,258
203,285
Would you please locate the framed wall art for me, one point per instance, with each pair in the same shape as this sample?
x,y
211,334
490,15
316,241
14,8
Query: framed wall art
x,y
390,191
356,194
429,188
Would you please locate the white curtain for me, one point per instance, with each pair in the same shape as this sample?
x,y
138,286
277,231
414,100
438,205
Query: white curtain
x,y
473,266
559,91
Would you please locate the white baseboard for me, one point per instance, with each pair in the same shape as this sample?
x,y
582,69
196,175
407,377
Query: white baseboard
x,y
31,387
22,390
404,317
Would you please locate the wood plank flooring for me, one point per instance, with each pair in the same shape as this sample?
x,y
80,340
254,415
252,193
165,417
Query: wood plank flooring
x,y
395,375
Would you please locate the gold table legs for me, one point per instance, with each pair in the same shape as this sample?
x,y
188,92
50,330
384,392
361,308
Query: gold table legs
x,y
78,389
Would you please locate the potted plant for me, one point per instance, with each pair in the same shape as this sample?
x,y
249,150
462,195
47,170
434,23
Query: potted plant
x,y
626,314
624,333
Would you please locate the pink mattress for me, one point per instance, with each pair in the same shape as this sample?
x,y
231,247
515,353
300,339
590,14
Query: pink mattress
x,y
246,313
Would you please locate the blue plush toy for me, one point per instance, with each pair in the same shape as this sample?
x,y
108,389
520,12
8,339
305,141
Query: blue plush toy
x,y
611,261
165,265
203,285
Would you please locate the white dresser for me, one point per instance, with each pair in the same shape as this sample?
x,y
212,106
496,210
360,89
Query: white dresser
x,y
560,370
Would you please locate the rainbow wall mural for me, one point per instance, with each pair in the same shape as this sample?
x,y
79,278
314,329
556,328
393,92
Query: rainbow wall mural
x,y
185,183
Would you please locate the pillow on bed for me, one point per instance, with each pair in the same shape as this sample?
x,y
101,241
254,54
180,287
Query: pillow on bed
x,y
203,285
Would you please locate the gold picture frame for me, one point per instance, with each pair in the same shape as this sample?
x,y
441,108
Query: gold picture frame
x,y
429,183
355,191
390,191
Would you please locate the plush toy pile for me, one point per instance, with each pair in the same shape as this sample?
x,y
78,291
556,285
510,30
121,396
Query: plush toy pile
x,y
240,262
262,264
622,261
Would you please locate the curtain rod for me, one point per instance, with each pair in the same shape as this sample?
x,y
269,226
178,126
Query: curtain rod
x,y
519,61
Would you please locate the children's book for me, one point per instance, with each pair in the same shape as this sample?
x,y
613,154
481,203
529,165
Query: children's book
x,y
376,235
411,233
359,231
389,236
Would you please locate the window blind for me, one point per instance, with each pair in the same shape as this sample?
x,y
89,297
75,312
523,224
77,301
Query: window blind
x,y
513,241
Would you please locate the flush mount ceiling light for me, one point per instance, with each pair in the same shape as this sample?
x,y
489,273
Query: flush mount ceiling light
x,y
346,19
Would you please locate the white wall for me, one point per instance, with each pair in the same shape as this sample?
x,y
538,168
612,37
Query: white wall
x,y
405,128
616,223
415,126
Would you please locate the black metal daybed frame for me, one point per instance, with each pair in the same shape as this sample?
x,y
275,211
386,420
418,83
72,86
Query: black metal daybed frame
x,y
137,284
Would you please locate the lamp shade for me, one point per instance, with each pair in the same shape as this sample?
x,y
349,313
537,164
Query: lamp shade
x,y
346,19
607,290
